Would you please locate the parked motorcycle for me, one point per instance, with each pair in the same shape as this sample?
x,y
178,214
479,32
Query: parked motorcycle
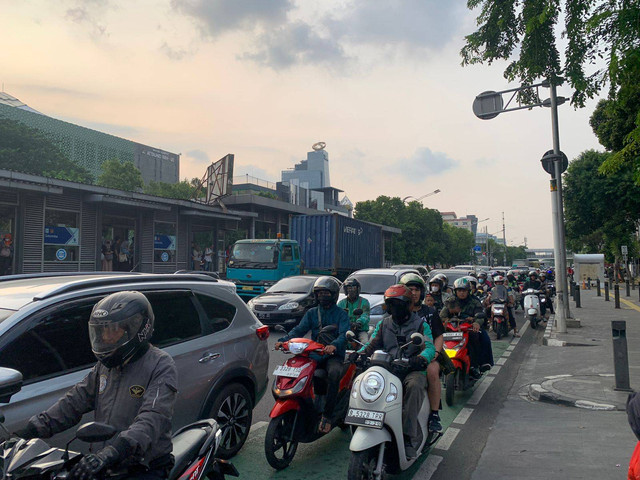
x,y
194,448
456,346
299,390
532,306
375,408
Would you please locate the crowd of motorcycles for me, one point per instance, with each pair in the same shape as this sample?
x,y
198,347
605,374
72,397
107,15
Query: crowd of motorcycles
x,y
369,403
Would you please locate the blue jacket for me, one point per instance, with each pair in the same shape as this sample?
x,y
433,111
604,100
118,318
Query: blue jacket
x,y
332,316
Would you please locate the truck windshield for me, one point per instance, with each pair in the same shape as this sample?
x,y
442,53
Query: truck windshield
x,y
254,255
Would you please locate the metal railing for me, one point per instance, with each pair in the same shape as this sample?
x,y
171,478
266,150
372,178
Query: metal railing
x,y
254,181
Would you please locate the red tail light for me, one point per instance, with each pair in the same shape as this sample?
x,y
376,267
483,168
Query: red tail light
x,y
263,332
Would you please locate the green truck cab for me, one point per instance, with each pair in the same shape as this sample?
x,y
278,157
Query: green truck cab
x,y
255,265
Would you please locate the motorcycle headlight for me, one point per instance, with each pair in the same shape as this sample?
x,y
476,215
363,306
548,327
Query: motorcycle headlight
x,y
297,347
371,387
393,393
289,306
297,388
354,390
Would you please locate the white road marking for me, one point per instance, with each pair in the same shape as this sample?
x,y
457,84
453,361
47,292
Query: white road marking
x,y
428,468
524,329
511,347
501,361
494,370
481,390
447,439
506,354
463,416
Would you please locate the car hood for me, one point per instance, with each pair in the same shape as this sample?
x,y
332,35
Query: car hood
x,y
280,298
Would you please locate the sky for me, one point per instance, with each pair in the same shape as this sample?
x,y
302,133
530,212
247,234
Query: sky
x,y
380,81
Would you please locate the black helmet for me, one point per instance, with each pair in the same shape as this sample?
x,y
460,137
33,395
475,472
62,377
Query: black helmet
x,y
119,326
473,281
409,279
330,284
350,282
533,273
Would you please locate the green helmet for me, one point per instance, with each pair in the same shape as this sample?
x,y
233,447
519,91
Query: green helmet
x,y
462,284
414,279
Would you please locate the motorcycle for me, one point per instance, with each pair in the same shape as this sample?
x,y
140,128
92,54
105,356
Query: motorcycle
x,y
355,326
499,322
194,447
299,390
456,346
533,300
375,408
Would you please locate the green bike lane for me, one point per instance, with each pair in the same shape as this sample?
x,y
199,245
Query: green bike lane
x,y
328,457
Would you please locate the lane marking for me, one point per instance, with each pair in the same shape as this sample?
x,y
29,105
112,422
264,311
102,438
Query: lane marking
x,y
494,370
481,390
429,467
506,353
501,361
511,347
447,439
524,329
463,416
630,304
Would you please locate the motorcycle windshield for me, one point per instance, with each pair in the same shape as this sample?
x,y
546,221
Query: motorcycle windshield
x,y
499,293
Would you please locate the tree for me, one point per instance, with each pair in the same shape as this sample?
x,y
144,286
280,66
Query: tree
x,y
27,150
120,175
183,190
601,211
459,243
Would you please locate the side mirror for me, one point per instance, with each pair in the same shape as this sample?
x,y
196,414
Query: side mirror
x,y
350,335
357,312
10,383
95,432
280,328
416,338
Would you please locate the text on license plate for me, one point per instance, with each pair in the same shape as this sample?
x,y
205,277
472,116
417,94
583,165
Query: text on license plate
x,y
366,418
452,336
285,371
247,288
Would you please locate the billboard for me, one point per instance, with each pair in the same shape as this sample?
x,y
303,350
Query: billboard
x,y
220,178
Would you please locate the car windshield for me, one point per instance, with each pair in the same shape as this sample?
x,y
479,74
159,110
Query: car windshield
x,y
374,284
4,313
293,285
254,255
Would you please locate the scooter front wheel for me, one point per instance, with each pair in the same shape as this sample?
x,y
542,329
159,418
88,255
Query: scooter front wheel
x,y
362,465
279,448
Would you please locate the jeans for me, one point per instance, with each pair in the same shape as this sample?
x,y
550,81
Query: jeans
x,y
415,390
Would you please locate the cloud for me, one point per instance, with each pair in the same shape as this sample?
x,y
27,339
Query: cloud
x,y
252,171
216,17
424,163
198,155
485,162
293,44
82,16
174,53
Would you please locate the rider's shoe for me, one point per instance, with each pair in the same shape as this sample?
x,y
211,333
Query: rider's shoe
x,y
474,373
434,424
409,450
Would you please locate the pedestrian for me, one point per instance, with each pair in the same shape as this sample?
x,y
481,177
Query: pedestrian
x,y
633,415
208,258
107,253
6,254
195,256
124,256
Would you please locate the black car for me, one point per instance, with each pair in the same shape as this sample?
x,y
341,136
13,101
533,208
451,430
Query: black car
x,y
286,302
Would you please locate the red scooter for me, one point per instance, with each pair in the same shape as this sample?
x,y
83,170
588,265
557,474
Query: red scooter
x,y
456,346
299,389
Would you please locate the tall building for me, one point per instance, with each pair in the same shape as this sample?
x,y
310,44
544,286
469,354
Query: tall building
x,y
90,148
470,222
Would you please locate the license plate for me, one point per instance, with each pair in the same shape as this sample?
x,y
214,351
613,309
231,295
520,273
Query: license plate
x,y
365,418
247,288
285,371
263,315
452,336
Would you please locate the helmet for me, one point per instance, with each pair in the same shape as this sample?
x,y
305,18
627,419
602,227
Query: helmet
x,y
119,326
473,281
445,280
482,274
462,283
351,282
438,281
330,284
397,292
533,273
398,300
409,279
498,278
543,274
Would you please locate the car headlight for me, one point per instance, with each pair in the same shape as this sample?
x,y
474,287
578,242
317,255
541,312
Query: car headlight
x,y
289,306
377,310
371,387
393,393
250,304
297,347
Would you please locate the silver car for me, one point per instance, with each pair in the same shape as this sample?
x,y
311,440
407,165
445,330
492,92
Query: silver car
x,y
218,345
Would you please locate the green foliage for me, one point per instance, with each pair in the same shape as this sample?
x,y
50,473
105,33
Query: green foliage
x,y
26,150
267,195
120,175
601,211
183,190
424,238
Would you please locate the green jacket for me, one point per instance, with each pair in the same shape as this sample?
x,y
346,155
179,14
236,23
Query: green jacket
x,y
468,308
349,307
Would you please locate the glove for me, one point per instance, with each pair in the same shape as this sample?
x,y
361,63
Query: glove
x,y
418,362
92,465
355,327
353,357
27,432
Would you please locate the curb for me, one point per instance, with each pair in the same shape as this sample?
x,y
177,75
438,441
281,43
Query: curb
x,y
539,393
549,339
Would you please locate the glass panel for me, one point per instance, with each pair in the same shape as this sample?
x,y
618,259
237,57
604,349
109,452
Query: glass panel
x,y
176,317
219,314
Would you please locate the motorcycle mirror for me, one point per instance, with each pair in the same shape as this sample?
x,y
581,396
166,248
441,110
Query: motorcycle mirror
x,y
357,312
350,334
280,328
95,432
10,383
417,338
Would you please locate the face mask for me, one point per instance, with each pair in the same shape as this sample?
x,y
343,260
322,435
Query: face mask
x,y
325,301
435,288
481,280
400,313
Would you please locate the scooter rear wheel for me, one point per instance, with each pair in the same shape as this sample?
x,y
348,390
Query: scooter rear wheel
x,y
363,464
450,386
278,449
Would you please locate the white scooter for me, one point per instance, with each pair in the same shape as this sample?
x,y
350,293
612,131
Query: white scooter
x,y
375,407
532,306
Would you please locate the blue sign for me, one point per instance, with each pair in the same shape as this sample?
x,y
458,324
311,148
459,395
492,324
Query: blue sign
x,y
61,254
164,257
61,235
477,249
164,242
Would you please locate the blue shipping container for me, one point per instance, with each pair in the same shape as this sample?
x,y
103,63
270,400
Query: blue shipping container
x,y
336,243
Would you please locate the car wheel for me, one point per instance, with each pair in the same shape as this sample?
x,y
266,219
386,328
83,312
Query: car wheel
x,y
233,410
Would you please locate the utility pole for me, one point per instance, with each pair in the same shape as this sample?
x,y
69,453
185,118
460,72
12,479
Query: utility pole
x,y
504,240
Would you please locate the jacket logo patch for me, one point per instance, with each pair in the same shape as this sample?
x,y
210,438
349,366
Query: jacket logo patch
x,y
103,384
136,391
100,313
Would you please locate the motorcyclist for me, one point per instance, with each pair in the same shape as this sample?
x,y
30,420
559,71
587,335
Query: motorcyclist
x,y
512,284
394,330
132,387
483,280
327,314
445,284
470,310
510,301
416,284
546,288
354,303
436,289
535,284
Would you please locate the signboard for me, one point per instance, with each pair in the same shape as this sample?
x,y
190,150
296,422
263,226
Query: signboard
x,y
164,257
477,249
220,178
624,249
61,235
61,254
164,242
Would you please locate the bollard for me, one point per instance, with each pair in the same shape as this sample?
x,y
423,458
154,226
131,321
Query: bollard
x,y
572,288
633,283
628,289
620,355
588,283
616,292
598,287
576,296
606,291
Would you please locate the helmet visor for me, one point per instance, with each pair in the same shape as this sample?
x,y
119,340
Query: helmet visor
x,y
108,336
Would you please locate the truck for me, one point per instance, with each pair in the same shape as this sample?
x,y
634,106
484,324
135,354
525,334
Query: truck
x,y
326,244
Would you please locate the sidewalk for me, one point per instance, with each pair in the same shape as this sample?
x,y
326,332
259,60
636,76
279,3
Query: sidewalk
x,y
562,418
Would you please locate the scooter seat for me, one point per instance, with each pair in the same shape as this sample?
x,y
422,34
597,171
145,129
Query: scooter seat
x,y
185,447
